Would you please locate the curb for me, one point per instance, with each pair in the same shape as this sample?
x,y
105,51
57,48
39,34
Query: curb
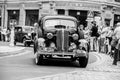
x,y
12,52
100,59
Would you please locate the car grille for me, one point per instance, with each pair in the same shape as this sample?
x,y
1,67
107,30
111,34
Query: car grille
x,y
62,40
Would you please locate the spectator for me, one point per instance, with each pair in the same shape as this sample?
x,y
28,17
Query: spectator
x,y
94,36
3,33
116,38
104,33
109,38
80,31
8,35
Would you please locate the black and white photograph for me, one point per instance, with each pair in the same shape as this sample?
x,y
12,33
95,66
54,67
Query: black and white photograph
x,y
59,39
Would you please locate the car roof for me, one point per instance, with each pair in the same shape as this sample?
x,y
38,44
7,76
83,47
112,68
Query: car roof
x,y
59,17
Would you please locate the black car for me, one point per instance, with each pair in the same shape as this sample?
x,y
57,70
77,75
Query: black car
x,y
24,34
57,37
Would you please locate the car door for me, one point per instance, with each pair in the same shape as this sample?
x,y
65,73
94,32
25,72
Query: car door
x,y
17,34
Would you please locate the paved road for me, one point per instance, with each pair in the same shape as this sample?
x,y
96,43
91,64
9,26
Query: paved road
x,y
22,66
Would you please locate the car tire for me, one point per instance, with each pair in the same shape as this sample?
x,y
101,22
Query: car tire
x,y
29,44
14,42
83,61
38,59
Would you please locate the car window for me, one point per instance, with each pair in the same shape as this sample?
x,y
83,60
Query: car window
x,y
28,29
18,29
51,23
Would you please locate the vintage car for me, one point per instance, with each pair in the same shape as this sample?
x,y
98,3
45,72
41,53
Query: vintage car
x,y
24,34
57,38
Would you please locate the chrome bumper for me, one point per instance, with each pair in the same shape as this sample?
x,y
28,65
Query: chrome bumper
x,y
74,54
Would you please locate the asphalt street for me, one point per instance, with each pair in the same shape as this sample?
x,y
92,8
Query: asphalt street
x,y
21,66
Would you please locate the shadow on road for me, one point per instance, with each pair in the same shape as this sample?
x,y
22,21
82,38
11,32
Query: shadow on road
x,y
58,63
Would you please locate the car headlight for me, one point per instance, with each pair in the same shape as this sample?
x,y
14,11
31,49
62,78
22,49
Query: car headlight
x,y
41,42
49,35
72,46
75,36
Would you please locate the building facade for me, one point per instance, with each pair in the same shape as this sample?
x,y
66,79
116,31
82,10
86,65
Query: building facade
x,y
27,12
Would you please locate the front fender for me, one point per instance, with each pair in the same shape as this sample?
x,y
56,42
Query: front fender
x,y
85,44
81,53
26,36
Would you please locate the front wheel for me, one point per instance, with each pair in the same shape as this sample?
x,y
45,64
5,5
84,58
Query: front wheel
x,y
24,42
38,59
83,61
14,42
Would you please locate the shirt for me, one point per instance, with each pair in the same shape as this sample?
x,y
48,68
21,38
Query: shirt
x,y
104,32
94,31
117,32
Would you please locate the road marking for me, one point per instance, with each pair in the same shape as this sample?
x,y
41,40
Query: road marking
x,y
14,55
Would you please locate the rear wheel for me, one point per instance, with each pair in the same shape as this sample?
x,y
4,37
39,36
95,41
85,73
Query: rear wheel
x,y
29,44
14,42
83,61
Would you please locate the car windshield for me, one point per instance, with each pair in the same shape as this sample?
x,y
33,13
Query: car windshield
x,y
67,24
28,29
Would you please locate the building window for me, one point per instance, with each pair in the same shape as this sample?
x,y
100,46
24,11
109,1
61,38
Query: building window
x,y
117,0
116,19
31,17
13,14
61,11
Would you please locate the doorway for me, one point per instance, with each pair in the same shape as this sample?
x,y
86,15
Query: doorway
x,y
31,17
80,15
13,14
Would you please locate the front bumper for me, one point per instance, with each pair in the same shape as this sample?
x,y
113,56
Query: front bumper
x,y
76,53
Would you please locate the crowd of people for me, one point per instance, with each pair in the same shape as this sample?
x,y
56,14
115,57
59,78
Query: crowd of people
x,y
103,39
5,35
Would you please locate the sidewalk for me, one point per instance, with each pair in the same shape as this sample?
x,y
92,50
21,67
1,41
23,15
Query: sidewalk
x,y
5,49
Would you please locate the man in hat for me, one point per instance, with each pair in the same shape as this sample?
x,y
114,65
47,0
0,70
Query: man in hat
x,y
116,37
94,36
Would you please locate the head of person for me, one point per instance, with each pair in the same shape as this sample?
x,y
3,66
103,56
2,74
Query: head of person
x,y
118,24
81,26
